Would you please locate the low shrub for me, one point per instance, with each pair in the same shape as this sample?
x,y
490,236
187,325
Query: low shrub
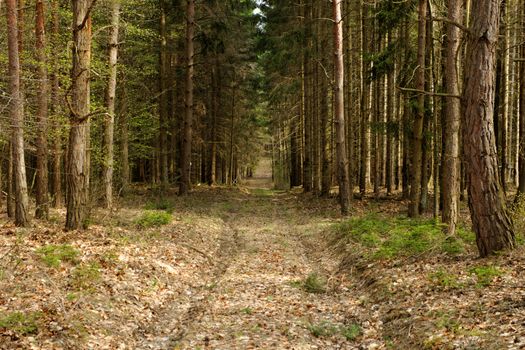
x,y
485,274
21,323
153,219
54,255
391,237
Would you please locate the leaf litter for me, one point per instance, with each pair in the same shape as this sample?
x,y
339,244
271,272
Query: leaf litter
x,y
241,269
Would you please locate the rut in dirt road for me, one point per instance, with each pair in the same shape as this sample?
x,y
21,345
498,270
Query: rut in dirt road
x,y
258,301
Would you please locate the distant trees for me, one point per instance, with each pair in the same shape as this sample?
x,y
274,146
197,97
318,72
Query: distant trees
x,y
409,131
179,93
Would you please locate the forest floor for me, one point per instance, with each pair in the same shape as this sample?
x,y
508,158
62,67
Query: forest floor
x,y
254,268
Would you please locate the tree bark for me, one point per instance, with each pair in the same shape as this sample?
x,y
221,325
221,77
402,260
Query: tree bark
x,y
490,218
339,115
55,113
110,100
185,183
452,120
364,174
42,197
521,149
163,98
16,115
389,176
415,188
78,153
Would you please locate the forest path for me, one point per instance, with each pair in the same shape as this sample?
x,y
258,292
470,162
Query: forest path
x,y
259,300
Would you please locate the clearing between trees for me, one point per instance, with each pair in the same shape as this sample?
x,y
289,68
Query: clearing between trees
x,y
254,268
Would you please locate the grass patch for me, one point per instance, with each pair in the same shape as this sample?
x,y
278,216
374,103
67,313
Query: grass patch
x,y
327,329
391,237
86,276
485,274
161,204
262,192
444,279
153,219
247,310
313,283
53,255
21,323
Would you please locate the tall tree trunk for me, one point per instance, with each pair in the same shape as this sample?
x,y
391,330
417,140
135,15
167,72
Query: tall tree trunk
x,y
55,113
307,97
42,197
163,98
521,149
339,110
490,218
415,188
16,115
451,175
389,176
364,174
185,183
78,150
110,100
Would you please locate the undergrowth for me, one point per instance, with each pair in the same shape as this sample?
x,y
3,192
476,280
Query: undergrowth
x,y
153,218
327,329
21,323
313,283
486,274
391,237
160,204
53,255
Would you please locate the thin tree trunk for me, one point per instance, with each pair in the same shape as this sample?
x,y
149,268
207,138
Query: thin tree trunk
x,y
415,188
42,197
124,140
185,183
78,150
364,175
451,174
16,114
308,112
163,99
389,121
55,111
521,149
110,100
490,218
342,161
